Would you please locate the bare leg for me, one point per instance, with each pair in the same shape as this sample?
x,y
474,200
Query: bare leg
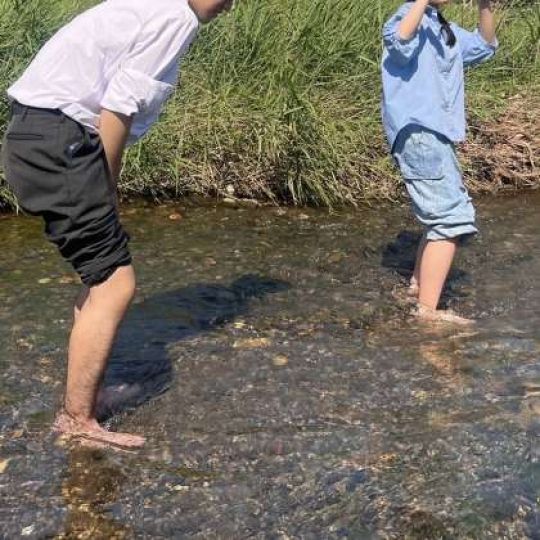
x,y
98,315
435,264
415,279
108,398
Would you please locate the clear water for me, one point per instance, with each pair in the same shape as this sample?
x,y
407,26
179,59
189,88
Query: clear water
x,y
284,391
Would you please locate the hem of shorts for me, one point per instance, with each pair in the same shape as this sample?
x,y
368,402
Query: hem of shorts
x,y
89,282
436,235
112,260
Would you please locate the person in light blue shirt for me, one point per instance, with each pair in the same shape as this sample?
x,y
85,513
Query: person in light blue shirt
x,y
423,110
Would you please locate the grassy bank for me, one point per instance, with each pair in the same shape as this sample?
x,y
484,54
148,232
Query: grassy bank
x,y
280,100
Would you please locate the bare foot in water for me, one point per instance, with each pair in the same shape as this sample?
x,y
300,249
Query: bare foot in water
x,y
441,316
413,290
407,295
90,433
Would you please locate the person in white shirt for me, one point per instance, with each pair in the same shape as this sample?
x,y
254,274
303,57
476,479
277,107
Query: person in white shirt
x,y
98,84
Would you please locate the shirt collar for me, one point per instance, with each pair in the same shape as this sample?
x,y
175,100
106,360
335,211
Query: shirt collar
x,y
431,12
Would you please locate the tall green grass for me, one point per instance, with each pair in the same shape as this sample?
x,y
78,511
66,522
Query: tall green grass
x,y
280,99
24,26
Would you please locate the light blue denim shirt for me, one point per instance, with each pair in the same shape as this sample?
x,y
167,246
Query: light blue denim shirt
x,y
423,76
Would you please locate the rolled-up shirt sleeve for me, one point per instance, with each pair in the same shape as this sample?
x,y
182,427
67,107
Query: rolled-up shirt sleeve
x,y
137,86
131,92
402,51
474,48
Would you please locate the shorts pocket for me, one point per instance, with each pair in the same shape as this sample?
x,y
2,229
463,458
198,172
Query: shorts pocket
x,y
24,136
89,181
33,173
421,158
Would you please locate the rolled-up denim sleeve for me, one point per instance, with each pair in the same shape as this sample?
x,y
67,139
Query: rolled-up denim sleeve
x,y
400,50
474,48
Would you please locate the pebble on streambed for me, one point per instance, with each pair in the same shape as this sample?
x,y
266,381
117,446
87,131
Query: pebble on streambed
x,y
3,465
280,360
251,343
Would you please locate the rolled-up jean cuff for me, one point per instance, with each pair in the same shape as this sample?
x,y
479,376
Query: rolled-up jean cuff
x,y
111,255
96,248
445,232
94,277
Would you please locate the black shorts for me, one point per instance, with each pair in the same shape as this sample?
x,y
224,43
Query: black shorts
x,y
58,170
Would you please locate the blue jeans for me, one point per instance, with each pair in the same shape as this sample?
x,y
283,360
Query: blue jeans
x,y
432,175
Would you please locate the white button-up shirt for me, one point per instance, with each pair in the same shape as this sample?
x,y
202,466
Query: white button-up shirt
x,y
122,55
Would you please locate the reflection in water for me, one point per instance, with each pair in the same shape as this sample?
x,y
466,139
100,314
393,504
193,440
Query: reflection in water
x,y
446,368
90,489
530,411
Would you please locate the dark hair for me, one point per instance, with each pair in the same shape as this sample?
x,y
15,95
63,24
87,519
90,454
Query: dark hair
x,y
446,29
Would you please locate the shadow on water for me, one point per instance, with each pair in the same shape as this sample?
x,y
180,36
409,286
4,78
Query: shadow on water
x,y
399,255
140,368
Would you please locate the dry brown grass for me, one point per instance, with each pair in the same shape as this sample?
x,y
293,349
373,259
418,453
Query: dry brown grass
x,y
504,153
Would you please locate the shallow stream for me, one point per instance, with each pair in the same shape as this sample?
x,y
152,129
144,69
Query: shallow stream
x,y
284,391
